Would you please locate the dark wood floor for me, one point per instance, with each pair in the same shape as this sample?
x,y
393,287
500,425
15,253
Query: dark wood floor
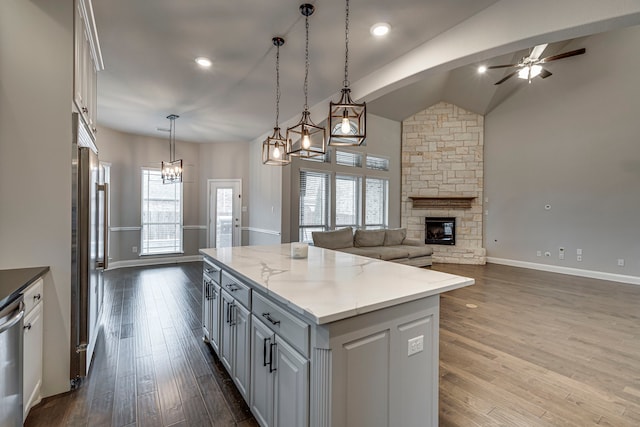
x,y
150,366
520,348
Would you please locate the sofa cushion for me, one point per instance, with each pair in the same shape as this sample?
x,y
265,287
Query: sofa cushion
x,y
368,238
368,252
391,253
337,239
415,251
394,236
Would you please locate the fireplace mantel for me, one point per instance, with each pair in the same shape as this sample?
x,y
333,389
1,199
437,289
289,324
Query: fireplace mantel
x,y
442,202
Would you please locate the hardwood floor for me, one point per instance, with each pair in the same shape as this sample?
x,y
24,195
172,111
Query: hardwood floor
x,y
540,349
150,365
520,348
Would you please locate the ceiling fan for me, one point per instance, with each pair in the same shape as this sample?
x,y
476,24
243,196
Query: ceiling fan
x,y
531,66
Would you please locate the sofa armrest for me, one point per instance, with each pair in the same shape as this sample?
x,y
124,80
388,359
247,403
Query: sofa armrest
x,y
412,242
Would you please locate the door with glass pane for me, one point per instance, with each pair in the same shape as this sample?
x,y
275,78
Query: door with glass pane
x,y
225,205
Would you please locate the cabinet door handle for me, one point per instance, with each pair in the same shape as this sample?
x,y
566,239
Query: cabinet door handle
x,y
206,290
37,297
27,326
264,351
211,270
85,110
271,319
228,319
271,347
214,295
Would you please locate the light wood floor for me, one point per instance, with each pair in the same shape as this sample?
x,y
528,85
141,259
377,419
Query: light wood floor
x,y
533,349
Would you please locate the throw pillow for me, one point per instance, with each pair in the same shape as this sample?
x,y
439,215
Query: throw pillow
x,y
368,238
337,239
394,236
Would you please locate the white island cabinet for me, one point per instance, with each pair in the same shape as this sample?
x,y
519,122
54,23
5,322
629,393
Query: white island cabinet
x,y
337,339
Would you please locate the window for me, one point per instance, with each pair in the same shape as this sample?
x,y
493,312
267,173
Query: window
x,y
314,203
161,215
377,163
348,205
348,158
324,158
377,203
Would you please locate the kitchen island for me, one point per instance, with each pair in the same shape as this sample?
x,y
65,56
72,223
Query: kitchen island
x,y
334,339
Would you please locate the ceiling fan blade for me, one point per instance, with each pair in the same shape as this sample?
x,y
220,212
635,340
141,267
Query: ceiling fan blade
x,y
505,78
537,51
545,73
562,55
502,66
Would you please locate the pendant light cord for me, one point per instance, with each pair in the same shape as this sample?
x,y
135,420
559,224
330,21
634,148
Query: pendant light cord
x,y
306,63
277,84
346,47
172,139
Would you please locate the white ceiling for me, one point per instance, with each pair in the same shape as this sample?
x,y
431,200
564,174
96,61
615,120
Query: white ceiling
x,y
430,55
149,48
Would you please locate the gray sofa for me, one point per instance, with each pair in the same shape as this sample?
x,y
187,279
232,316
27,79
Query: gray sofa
x,y
387,245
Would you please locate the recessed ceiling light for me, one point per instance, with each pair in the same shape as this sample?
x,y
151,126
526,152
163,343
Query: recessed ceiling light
x,y
482,69
380,29
203,62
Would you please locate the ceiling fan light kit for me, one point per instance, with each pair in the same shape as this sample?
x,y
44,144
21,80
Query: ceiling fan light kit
x,y
347,119
306,139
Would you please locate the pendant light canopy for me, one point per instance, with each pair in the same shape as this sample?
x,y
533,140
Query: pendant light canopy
x,y
306,139
275,148
172,170
347,120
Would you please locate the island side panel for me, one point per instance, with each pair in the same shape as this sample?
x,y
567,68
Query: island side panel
x,y
374,382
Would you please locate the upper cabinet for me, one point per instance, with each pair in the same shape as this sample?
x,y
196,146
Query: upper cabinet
x,y
87,63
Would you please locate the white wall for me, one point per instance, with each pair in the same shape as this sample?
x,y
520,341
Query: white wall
x,y
570,141
36,69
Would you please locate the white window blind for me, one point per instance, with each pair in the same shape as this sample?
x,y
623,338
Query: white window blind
x,y
377,203
348,158
377,163
348,201
324,158
314,203
161,215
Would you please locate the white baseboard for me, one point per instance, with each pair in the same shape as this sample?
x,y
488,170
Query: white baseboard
x,y
633,280
153,261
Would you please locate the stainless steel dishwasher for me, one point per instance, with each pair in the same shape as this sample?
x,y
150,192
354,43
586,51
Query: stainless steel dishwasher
x,y
11,320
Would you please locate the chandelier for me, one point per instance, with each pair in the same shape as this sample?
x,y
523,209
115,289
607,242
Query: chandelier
x,y
172,170
347,119
309,137
275,148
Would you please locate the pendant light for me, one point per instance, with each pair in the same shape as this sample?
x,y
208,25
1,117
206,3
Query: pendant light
x,y
275,148
310,138
347,120
172,170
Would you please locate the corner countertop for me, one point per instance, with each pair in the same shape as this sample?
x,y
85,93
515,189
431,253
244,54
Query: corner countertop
x,y
331,285
16,280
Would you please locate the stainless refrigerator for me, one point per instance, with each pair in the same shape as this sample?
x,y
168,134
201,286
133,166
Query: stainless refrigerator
x,y
89,233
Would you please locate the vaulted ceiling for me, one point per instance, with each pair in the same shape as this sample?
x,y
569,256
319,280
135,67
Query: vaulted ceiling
x,y
431,53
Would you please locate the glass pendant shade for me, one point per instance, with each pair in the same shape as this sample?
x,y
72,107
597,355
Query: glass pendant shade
x,y
347,121
275,149
172,170
306,139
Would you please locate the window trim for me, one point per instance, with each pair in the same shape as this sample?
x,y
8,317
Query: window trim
x,y
142,223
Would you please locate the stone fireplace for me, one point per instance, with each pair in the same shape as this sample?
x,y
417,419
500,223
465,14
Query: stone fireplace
x,y
442,177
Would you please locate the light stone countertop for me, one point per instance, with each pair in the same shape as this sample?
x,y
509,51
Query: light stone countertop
x,y
331,285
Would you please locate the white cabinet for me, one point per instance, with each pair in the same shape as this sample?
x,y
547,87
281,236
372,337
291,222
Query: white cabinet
x,y
211,305
235,338
87,63
279,380
33,339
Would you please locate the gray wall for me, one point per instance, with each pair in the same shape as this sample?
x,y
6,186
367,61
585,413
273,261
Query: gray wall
x,y
128,153
572,142
383,139
36,70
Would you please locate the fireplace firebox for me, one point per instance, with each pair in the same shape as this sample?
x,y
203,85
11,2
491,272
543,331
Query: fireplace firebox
x,y
440,231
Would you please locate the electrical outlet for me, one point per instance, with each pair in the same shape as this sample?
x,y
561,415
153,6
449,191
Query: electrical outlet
x,y
547,253
134,249
538,253
560,253
620,262
578,251
579,258
416,345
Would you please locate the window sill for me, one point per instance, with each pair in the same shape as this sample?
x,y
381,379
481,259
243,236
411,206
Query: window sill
x,y
160,254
